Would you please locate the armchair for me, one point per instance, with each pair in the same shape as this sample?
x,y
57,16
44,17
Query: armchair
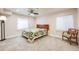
x,y
72,33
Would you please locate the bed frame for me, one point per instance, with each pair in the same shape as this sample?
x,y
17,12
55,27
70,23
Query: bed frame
x,y
41,26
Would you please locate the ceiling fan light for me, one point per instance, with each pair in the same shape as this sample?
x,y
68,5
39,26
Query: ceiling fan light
x,y
32,14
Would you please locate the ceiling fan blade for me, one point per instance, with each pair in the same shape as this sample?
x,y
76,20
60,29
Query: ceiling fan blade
x,y
33,11
36,13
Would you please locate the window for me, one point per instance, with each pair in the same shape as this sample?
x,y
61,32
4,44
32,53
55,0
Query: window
x,y
22,23
64,22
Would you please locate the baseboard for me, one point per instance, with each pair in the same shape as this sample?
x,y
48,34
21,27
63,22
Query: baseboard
x,y
56,36
12,36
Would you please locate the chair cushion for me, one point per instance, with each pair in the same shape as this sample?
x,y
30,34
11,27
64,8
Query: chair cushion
x,y
66,34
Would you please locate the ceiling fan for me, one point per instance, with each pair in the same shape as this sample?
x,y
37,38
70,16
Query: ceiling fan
x,y
33,11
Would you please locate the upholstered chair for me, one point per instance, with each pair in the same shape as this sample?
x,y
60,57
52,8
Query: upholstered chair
x,y
71,35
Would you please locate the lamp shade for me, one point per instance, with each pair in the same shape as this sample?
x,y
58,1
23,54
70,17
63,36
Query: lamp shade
x,y
3,18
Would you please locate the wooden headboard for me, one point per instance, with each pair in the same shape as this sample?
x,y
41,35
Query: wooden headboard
x,y
43,26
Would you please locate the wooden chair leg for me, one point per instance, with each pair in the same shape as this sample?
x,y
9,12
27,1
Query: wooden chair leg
x,y
76,41
69,40
63,37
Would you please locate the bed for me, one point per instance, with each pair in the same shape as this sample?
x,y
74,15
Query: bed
x,y
34,33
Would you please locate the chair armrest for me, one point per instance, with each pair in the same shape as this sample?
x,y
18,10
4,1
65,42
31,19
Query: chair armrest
x,y
65,32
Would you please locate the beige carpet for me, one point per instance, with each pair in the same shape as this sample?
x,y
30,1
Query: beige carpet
x,y
46,43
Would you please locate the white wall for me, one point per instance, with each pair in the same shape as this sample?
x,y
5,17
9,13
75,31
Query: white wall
x,y
32,22
11,25
78,17
11,28
51,20
41,20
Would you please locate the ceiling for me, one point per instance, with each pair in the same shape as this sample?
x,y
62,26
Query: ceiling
x,y
41,11
44,11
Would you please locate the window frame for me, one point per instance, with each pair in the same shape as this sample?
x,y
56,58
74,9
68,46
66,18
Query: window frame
x,y
65,19
26,22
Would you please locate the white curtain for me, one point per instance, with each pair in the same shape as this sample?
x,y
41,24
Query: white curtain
x,y
22,23
64,22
